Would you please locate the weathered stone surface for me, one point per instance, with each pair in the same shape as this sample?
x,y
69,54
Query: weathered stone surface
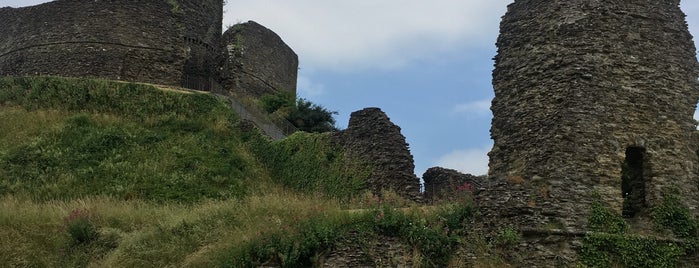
x,y
442,182
588,93
148,41
259,62
373,139
580,83
381,251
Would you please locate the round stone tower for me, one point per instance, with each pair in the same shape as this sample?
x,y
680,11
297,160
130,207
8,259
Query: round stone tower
x,y
163,41
595,96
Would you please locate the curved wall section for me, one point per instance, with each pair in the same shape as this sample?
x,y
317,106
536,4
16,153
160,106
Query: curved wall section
x,y
115,39
580,86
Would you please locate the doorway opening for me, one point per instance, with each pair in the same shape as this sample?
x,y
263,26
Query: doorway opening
x,y
633,185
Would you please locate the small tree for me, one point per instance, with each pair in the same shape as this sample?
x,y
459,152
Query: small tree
x,y
303,114
311,117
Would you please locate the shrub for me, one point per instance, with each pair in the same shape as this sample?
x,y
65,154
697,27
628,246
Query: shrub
x,y
79,227
303,114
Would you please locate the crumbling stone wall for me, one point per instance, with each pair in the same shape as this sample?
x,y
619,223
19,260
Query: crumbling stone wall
x,y
579,87
373,139
148,41
443,183
382,251
259,62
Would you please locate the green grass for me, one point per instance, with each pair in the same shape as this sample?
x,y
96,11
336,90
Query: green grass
x,y
76,138
308,162
96,173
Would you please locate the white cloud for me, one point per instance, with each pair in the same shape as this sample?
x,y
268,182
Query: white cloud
x,y
306,87
351,34
21,3
473,161
477,108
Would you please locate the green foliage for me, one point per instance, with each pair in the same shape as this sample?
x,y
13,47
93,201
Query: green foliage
x,y
612,247
296,247
609,250
311,117
175,7
603,219
79,228
278,101
139,143
507,237
673,215
303,114
309,163
134,101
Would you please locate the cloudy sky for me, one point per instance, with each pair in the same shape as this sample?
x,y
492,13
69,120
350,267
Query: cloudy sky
x,y
427,64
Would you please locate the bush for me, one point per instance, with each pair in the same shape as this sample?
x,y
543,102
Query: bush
x,y
311,117
303,114
79,228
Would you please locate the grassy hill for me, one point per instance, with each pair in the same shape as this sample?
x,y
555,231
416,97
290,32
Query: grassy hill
x,y
98,173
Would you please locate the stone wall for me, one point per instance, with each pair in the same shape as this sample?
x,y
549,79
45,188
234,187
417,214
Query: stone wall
x,y
443,183
149,41
381,251
582,87
373,139
259,62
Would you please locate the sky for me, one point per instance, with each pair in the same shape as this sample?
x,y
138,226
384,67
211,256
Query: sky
x,y
427,64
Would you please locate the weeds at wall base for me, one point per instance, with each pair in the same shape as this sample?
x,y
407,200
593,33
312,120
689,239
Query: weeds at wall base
x,y
613,247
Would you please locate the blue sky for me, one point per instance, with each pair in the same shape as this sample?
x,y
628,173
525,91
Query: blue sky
x,y
427,64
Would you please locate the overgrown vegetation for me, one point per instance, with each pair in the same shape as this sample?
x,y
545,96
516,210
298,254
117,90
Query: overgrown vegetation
x,y
672,216
309,163
105,174
303,114
614,246
604,219
433,233
122,140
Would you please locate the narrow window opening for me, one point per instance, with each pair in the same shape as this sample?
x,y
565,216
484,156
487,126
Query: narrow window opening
x,y
633,187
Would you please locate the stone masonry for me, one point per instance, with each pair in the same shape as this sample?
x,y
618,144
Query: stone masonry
x,y
147,41
443,183
259,62
373,139
584,88
592,97
169,42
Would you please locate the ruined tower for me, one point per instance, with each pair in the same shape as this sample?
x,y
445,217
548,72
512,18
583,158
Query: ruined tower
x,y
595,96
164,41
258,61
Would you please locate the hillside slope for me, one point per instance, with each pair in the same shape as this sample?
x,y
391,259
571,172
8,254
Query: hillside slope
x,y
97,173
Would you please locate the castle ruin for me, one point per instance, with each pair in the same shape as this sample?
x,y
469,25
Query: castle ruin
x,y
168,42
593,100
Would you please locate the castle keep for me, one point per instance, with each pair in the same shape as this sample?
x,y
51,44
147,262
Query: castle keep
x,y
169,42
597,96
